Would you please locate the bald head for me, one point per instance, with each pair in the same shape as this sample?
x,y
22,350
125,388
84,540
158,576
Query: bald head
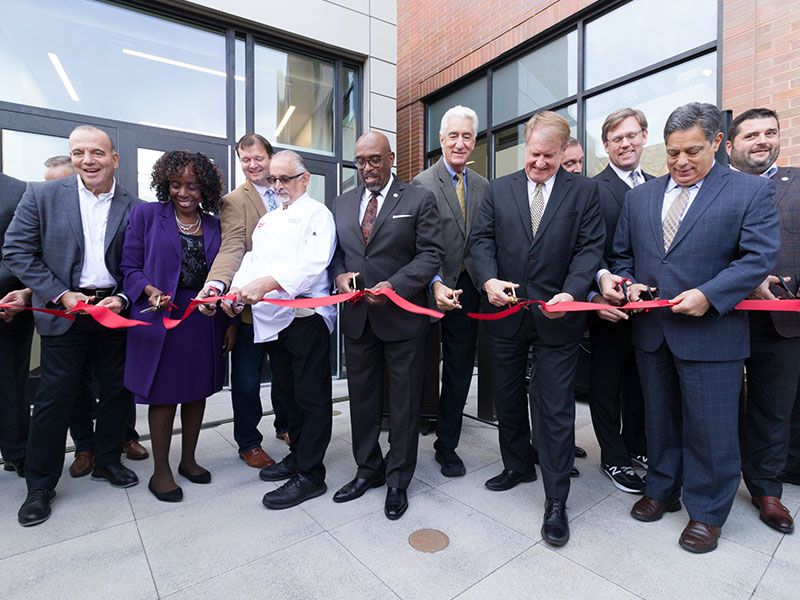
x,y
374,159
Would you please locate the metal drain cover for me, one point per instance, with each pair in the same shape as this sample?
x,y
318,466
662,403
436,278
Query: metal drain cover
x,y
428,540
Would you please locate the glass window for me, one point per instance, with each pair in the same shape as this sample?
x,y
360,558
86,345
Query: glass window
x,y
145,159
294,100
349,179
478,161
240,89
509,153
472,95
538,79
349,112
657,96
97,59
644,32
24,153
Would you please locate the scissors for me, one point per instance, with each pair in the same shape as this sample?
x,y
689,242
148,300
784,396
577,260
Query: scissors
x,y
786,292
158,304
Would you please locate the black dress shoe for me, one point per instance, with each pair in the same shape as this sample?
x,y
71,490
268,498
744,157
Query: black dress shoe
x,y
357,487
36,508
555,527
573,472
396,503
580,452
298,489
508,479
17,465
175,495
204,477
118,475
452,465
280,470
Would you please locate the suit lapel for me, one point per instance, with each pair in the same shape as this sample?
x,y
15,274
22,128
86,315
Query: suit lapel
x,y
210,237
116,212
391,200
450,195
519,190
713,184
782,187
255,199
655,201
72,207
560,189
473,198
618,187
169,228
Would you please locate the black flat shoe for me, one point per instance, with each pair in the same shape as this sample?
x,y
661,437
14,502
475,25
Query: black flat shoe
x,y
295,491
36,508
284,469
555,526
573,472
175,495
452,465
508,479
580,452
396,503
117,475
204,477
357,487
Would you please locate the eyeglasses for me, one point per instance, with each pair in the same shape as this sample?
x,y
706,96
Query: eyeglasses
x,y
374,161
631,137
284,179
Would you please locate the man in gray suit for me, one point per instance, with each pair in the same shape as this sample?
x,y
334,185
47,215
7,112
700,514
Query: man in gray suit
x,y
459,192
64,243
16,332
754,143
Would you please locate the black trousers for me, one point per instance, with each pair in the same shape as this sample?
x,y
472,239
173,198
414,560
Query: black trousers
x,y
764,421
459,335
15,405
615,395
301,365
552,404
793,459
64,358
366,357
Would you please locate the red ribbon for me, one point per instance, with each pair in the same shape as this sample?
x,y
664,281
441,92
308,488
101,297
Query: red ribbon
x,y
48,311
105,316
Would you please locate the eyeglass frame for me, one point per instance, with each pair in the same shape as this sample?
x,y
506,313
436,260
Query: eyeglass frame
x,y
631,136
361,162
284,179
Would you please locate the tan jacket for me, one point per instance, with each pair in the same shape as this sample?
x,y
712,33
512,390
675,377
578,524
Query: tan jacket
x,y
241,210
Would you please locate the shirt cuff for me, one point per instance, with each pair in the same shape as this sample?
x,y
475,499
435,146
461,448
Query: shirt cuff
x,y
217,284
434,280
591,295
599,274
57,298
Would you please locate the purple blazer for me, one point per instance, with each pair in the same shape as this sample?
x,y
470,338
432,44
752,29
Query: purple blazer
x,y
152,255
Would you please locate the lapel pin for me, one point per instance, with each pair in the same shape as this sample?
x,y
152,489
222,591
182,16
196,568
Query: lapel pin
x,y
784,179
395,194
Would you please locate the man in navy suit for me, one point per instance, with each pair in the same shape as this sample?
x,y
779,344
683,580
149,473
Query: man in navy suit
x,y
615,396
754,143
705,236
539,230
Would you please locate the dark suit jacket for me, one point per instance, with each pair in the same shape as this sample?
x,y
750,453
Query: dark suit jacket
x,y
11,191
611,193
152,255
564,257
405,249
787,197
455,233
725,246
44,243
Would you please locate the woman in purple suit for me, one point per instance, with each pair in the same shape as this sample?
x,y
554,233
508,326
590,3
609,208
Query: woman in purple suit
x,y
168,248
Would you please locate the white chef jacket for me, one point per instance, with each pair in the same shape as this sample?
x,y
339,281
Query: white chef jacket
x,y
294,245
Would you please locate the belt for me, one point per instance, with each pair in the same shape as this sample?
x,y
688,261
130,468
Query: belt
x,y
300,313
98,293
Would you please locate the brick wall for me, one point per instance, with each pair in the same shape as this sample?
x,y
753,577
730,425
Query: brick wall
x,y
439,42
761,64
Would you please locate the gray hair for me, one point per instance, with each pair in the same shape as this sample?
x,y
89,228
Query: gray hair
x,y
572,142
459,111
295,159
58,161
695,114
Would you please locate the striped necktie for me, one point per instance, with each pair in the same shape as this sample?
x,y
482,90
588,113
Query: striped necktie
x,y
673,219
635,178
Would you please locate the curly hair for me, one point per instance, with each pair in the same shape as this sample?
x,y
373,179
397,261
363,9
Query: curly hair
x,y
208,177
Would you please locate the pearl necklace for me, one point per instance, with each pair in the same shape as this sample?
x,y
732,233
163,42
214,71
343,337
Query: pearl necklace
x,y
189,229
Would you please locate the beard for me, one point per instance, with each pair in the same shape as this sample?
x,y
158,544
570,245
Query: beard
x,y
745,161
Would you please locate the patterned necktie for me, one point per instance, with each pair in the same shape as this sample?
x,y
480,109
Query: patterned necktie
x,y
673,219
462,196
537,208
369,216
635,178
272,203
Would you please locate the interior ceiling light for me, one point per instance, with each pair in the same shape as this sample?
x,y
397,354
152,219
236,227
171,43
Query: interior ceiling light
x,y
63,76
178,63
284,120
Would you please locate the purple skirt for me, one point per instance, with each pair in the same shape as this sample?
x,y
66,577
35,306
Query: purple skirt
x,y
191,366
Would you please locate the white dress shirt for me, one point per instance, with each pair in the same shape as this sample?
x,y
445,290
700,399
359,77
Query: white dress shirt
x,y
626,175
547,189
294,245
366,195
94,219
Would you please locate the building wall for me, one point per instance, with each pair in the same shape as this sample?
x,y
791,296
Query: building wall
x,y
365,28
440,42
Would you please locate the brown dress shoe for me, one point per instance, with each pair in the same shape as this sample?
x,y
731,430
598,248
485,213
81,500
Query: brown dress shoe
x,y
698,537
257,458
135,451
647,509
773,513
83,464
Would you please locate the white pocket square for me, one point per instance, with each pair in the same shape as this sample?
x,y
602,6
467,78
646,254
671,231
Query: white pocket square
x,y
402,216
